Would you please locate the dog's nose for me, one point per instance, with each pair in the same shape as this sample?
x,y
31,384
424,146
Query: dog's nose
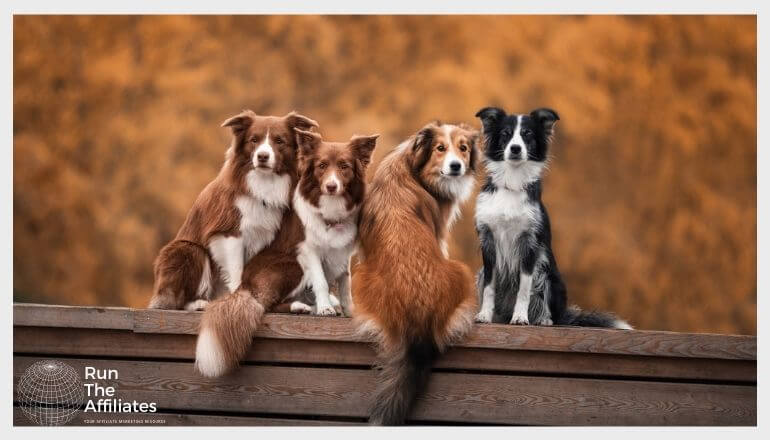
x,y
263,156
515,150
455,166
331,188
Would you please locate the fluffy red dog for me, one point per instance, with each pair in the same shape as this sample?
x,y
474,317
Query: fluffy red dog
x,y
406,290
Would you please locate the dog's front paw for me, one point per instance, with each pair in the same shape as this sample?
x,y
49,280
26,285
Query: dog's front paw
x,y
519,320
545,321
484,316
198,305
336,304
300,308
326,310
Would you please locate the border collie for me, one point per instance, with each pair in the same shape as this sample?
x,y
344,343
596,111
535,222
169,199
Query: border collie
x,y
278,275
327,200
519,281
407,293
234,217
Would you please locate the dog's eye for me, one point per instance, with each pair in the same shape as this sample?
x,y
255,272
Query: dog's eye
x,y
440,147
343,166
278,141
526,133
463,148
322,165
254,139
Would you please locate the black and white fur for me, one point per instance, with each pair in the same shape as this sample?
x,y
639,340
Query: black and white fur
x,y
519,281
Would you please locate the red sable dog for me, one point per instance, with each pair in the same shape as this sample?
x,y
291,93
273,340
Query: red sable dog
x,y
406,291
235,216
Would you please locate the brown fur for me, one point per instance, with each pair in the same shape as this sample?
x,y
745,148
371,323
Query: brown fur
x,y
179,265
405,291
268,278
319,160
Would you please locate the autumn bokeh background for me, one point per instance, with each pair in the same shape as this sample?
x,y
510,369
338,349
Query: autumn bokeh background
x,y
652,188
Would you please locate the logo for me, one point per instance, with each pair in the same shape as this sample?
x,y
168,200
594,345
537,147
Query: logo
x,y
50,393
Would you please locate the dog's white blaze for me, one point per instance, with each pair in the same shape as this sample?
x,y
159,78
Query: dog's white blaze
x,y
517,140
448,160
227,252
335,180
265,147
209,359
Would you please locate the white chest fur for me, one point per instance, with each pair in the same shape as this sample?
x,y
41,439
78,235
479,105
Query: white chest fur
x,y
508,214
332,245
262,209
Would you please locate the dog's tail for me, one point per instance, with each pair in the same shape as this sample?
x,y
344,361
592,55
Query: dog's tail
x,y
227,328
403,376
573,315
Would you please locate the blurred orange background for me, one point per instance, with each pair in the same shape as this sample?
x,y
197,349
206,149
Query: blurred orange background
x,y
651,191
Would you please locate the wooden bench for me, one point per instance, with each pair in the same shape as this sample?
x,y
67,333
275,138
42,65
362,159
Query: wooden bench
x,y
305,370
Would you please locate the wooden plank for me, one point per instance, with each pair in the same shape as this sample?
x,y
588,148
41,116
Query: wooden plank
x,y
43,315
172,419
503,337
471,398
125,344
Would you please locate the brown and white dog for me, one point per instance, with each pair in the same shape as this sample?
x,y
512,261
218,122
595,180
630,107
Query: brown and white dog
x,y
327,200
407,293
283,270
235,216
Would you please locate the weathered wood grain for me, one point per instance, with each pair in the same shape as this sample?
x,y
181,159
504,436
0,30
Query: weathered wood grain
x,y
40,315
171,419
473,398
125,344
503,337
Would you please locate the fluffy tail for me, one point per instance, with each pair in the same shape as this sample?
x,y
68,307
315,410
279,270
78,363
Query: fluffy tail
x,y
573,315
402,377
227,328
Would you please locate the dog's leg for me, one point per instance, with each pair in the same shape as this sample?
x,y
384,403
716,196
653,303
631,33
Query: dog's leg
x,y
343,290
227,252
314,273
487,285
527,251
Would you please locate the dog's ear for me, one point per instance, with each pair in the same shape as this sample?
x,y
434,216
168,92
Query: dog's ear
x,y
240,122
307,141
421,146
363,146
546,119
473,140
490,116
296,120
424,138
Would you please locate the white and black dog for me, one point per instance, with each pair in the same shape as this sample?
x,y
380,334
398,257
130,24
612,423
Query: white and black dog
x,y
519,281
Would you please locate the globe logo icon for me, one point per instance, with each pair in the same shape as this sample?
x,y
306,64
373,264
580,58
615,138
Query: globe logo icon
x,y
50,393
